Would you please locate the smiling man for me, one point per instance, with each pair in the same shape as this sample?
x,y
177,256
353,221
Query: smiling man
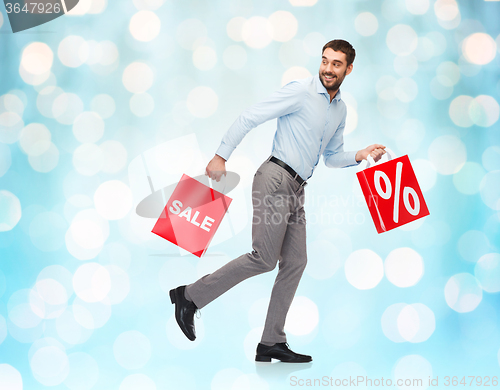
x,y
311,120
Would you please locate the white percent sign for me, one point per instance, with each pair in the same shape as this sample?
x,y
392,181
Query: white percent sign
x,y
407,191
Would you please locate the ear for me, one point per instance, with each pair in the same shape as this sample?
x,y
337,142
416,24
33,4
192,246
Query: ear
x,y
348,70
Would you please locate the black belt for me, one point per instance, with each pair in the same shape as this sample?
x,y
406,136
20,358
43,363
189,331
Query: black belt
x,y
294,174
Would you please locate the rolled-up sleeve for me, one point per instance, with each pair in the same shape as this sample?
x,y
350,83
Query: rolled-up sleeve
x,y
284,101
334,155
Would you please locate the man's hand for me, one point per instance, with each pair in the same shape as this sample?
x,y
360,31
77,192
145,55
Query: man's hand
x,y
216,168
375,150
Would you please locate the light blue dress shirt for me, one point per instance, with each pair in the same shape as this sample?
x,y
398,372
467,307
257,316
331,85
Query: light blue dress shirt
x,y
309,125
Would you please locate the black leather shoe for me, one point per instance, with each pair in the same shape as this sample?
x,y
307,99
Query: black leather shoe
x,y
184,312
279,351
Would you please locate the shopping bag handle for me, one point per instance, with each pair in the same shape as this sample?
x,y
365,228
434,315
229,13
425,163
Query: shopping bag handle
x,y
211,183
371,162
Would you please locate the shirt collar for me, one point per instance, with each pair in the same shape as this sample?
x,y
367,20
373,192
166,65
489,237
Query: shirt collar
x,y
321,89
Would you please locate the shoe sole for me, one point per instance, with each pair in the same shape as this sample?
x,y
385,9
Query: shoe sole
x,y
267,359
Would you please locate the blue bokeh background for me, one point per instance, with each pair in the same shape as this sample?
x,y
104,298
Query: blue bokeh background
x,y
91,103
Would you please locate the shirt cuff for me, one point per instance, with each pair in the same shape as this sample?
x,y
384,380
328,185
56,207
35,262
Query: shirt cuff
x,y
354,159
225,151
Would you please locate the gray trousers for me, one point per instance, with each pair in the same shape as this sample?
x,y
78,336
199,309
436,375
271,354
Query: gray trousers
x,y
278,233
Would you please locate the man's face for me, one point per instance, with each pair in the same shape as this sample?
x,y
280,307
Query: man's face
x,y
333,69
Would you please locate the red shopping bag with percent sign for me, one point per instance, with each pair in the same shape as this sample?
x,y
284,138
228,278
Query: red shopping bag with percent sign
x,y
392,192
192,215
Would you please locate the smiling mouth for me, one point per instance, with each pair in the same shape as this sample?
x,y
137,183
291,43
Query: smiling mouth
x,y
329,78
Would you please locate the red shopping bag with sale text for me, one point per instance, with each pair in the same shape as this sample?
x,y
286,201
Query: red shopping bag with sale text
x,y
392,192
192,215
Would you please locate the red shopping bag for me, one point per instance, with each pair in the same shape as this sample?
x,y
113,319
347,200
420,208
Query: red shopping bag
x,y
192,215
392,192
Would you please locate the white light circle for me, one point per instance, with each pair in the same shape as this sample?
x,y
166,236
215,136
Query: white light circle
x,y
91,282
402,39
389,322
234,57
91,315
257,32
51,291
404,267
46,161
35,139
87,234
366,24
463,292
284,26
406,89
73,51
142,104
69,330
50,365
37,58
88,127
9,376
120,284
83,371
472,245
88,159
416,323
189,32
410,136
24,309
479,48
114,156
448,154
440,91
294,73
66,107
364,269
412,366
145,26
417,7
448,73
132,350
484,111
487,272
459,111
11,125
406,66
104,105
137,381
148,4
468,179
313,43
204,57
489,189
10,210
113,199
202,102
302,317
234,28
3,333
137,77
323,266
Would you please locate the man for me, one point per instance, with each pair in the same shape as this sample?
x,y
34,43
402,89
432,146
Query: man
x,y
311,120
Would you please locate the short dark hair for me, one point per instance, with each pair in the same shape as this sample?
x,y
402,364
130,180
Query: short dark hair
x,y
343,46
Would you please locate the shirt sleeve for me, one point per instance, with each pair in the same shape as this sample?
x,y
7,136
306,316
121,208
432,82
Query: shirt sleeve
x,y
334,155
284,101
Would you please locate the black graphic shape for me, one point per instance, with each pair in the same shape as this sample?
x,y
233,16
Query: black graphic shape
x,y
25,14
